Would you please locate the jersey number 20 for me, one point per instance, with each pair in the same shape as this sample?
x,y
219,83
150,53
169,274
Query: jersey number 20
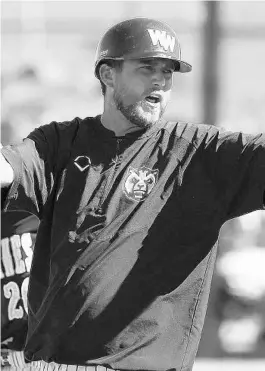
x,y
14,294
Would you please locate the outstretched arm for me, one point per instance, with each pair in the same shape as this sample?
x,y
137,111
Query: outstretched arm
x,y
237,166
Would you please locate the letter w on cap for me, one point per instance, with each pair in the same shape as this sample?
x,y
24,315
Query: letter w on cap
x,y
164,39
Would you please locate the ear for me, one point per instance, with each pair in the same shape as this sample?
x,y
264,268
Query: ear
x,y
106,74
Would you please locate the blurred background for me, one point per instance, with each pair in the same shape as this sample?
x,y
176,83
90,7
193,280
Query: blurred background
x,y
47,64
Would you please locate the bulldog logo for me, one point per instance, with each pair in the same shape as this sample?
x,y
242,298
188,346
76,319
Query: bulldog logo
x,y
139,183
82,162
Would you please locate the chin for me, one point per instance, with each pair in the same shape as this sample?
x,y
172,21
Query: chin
x,y
139,115
145,118
150,119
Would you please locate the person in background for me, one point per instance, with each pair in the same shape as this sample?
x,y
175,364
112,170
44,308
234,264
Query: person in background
x,y
18,234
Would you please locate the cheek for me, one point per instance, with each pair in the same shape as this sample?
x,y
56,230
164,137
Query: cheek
x,y
131,89
169,83
167,96
137,86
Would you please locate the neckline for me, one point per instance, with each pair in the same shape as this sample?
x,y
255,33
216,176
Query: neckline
x,y
137,135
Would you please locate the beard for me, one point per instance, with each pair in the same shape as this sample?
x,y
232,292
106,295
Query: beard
x,y
137,114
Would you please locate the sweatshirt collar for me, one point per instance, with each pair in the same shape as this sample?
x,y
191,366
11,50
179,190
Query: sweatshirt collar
x,y
136,135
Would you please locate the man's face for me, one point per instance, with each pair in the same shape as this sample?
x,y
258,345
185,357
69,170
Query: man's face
x,y
142,90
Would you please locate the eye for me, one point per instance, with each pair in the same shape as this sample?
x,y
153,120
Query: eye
x,y
149,181
168,73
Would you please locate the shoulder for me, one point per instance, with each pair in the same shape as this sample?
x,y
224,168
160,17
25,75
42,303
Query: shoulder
x,y
192,133
57,133
56,128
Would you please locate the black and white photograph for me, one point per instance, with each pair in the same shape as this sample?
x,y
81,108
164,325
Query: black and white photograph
x,y
132,185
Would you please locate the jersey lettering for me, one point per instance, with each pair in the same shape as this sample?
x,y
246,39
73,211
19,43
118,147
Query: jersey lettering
x,y
7,259
16,250
165,40
12,260
26,243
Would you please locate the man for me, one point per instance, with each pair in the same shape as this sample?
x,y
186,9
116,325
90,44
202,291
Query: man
x,y
130,209
18,231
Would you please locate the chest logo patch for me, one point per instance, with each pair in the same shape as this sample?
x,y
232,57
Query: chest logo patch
x,y
139,183
82,162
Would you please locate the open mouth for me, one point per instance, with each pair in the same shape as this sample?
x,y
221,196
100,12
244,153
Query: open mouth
x,y
153,99
138,194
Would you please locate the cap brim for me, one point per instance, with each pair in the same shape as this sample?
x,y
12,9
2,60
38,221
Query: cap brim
x,y
184,67
181,66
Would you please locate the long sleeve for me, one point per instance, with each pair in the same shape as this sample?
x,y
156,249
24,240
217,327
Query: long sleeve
x,y
236,164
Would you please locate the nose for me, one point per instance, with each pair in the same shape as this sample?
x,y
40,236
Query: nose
x,y
159,80
140,186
